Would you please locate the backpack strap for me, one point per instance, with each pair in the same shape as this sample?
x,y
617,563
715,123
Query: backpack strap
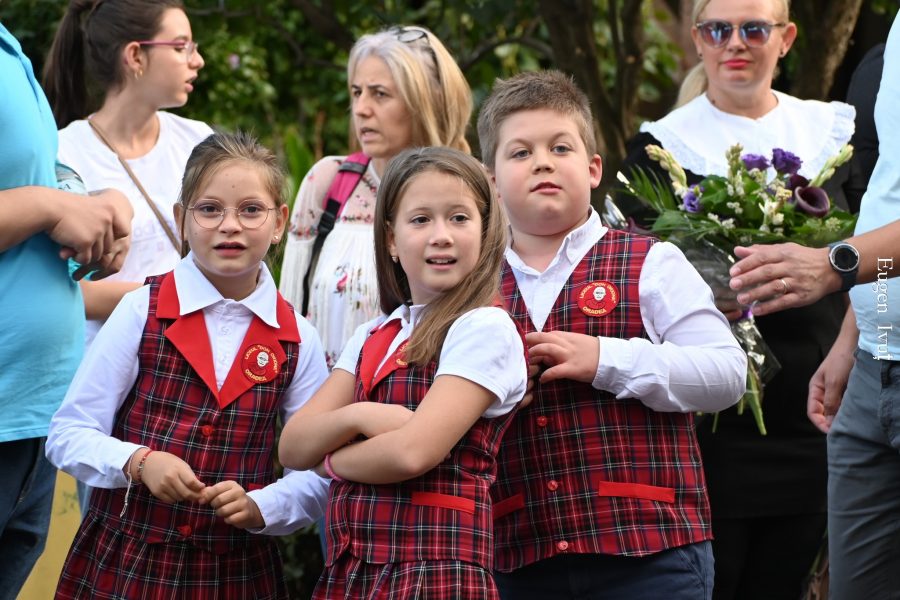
x,y
345,181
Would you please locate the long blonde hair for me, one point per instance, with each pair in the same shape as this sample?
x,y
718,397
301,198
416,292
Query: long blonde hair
x,y
696,81
480,287
429,81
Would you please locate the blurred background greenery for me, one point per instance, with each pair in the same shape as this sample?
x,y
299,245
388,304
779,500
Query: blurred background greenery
x,y
277,67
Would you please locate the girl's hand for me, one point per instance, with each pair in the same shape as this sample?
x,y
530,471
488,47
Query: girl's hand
x,y
381,418
568,355
168,477
232,503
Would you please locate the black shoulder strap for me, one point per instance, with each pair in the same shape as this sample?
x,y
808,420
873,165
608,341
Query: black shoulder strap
x,y
345,181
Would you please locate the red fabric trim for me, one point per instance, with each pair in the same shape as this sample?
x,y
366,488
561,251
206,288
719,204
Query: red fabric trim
x,y
459,503
636,490
373,352
508,505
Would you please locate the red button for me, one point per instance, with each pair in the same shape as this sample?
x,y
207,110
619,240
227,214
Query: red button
x,y
541,421
552,485
207,430
185,530
562,545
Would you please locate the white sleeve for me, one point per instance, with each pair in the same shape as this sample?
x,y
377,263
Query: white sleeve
x,y
692,361
299,498
349,358
79,440
302,230
485,347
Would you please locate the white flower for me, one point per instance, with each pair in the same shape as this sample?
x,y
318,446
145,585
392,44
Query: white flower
x,y
736,207
832,223
714,217
778,219
728,224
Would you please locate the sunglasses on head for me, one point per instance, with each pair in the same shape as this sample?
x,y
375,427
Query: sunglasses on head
x,y
716,33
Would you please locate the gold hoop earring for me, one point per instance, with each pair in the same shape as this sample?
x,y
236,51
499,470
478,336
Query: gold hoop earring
x,y
138,74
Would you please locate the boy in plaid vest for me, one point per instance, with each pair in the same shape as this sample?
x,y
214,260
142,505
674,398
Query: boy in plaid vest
x,y
424,393
171,415
600,490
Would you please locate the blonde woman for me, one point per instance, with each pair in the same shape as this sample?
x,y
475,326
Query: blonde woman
x,y
406,90
767,493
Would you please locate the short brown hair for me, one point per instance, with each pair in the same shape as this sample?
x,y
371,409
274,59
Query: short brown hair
x,y
533,90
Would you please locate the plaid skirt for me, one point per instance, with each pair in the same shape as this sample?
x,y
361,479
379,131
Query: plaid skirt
x,y
353,579
105,564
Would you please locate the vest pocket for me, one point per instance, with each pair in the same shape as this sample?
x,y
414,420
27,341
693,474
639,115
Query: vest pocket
x,y
459,503
508,505
636,490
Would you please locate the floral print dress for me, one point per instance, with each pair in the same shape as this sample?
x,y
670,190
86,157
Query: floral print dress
x,y
344,288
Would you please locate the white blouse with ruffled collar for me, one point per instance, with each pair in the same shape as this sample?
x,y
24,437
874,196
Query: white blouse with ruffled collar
x,y
698,134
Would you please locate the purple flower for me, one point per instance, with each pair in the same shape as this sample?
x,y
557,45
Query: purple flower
x,y
692,199
812,200
797,181
755,161
786,163
234,61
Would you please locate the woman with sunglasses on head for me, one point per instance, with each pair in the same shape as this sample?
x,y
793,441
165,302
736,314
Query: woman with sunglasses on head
x,y
405,91
767,493
141,56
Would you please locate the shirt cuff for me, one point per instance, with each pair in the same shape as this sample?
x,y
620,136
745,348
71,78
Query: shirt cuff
x,y
615,365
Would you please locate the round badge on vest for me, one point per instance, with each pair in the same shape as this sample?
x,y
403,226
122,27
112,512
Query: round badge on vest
x,y
401,354
259,363
598,298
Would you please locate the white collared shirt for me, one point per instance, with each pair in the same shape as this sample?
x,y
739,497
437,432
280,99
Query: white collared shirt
x,y
483,346
691,362
80,443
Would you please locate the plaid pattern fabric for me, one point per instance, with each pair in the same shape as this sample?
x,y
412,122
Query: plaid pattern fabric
x,y
583,472
107,564
354,579
442,515
170,409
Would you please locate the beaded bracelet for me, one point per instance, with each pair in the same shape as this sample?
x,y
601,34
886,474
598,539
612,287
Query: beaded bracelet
x,y
327,464
140,469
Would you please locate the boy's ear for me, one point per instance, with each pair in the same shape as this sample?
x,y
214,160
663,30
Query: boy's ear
x,y
595,167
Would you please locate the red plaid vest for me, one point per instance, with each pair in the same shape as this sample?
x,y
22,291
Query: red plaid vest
x,y
224,435
444,514
583,472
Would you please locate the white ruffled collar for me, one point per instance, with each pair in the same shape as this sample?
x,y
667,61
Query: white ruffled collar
x,y
698,134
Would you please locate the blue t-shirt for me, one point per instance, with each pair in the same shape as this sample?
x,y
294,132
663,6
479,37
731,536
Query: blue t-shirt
x,y
877,305
41,310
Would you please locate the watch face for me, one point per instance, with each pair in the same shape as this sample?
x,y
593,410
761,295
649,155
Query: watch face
x,y
845,257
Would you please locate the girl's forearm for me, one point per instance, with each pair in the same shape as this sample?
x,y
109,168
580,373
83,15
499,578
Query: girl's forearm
x,y
101,297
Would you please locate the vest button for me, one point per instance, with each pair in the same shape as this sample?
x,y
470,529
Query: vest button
x,y
207,430
562,545
185,530
542,421
553,485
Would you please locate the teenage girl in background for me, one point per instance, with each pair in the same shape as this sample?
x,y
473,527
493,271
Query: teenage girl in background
x,y
171,415
425,392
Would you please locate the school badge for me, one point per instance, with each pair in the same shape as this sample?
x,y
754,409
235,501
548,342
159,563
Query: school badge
x,y
259,363
400,355
598,298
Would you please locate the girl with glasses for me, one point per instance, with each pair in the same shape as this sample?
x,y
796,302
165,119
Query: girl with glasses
x,y
142,57
767,493
405,91
171,415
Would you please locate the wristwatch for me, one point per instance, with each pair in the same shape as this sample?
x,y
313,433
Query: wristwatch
x,y
844,259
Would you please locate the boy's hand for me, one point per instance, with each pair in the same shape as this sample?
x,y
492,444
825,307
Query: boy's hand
x,y
168,477
568,355
232,503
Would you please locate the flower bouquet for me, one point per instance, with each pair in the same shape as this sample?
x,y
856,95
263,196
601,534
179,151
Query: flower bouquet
x,y
759,201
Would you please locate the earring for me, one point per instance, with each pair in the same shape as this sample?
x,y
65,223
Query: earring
x,y
138,74
700,55
275,239
781,54
396,259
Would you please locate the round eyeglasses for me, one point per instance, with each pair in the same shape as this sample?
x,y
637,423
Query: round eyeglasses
x,y
209,215
188,48
716,33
